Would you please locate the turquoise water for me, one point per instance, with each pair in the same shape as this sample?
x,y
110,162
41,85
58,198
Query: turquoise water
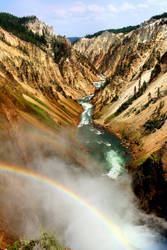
x,y
105,148
108,151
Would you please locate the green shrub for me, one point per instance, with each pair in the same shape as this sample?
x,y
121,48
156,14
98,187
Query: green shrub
x,y
124,135
126,104
155,123
38,112
155,72
137,94
116,97
45,242
157,120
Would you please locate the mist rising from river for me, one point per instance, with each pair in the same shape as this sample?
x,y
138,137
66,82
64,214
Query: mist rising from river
x,y
32,206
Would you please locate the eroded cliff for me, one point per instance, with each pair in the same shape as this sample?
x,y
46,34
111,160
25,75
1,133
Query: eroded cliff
x,y
40,82
133,102
37,92
133,96
125,54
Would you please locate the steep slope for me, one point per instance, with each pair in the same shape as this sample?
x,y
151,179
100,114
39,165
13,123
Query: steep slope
x,y
80,72
97,48
39,85
139,82
76,70
39,82
138,115
116,54
26,68
31,93
133,104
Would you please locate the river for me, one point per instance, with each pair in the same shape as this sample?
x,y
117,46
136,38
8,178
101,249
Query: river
x,y
108,151
104,148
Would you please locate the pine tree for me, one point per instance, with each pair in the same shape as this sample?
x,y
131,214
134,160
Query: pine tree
x,y
149,96
135,91
139,84
144,85
158,93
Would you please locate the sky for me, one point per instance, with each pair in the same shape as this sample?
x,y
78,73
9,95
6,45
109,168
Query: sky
x,y
79,18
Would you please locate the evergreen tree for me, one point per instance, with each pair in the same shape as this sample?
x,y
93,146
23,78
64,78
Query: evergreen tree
x,y
135,91
158,93
139,84
149,96
144,85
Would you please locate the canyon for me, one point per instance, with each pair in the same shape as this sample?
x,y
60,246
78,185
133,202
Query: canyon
x,y
35,90
40,85
132,104
37,99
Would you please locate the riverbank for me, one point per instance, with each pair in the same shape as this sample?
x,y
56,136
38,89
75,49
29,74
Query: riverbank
x,y
148,170
125,142
104,148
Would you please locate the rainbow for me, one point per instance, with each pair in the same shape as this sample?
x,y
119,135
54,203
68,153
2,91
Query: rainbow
x,y
54,184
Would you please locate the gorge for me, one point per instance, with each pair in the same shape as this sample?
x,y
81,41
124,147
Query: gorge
x,y
75,119
105,148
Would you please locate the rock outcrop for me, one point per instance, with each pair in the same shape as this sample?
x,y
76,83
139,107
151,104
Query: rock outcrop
x,y
39,88
133,102
150,183
37,92
38,27
76,71
136,92
96,49
125,53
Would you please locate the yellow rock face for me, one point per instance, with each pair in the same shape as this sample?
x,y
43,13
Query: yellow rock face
x,y
130,61
37,93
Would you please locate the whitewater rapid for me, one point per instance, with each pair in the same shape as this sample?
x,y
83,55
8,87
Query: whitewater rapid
x,y
104,148
107,150
85,210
